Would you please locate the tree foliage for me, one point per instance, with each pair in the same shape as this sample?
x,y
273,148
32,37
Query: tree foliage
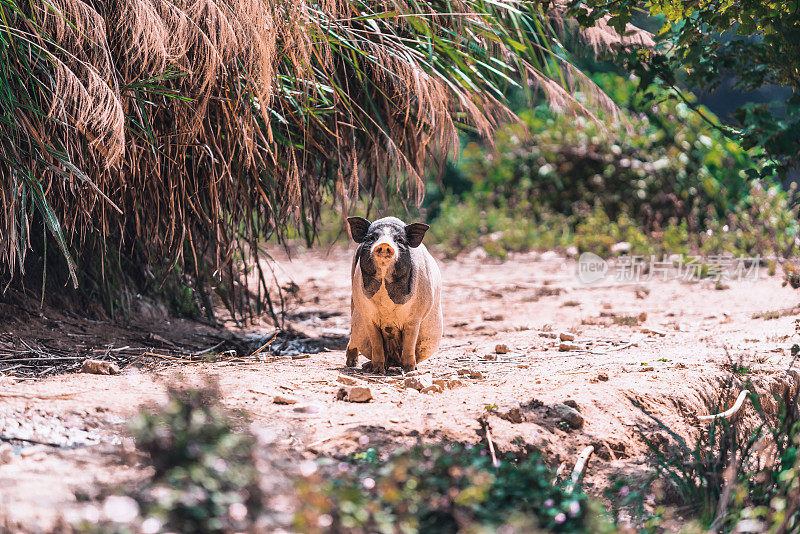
x,y
700,44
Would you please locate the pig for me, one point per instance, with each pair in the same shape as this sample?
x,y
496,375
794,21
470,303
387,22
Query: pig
x,y
396,308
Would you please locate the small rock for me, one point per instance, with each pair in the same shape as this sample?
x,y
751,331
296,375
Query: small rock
x,y
490,357
284,399
549,335
571,251
418,382
98,367
603,377
6,453
567,414
359,394
564,347
464,372
532,404
431,389
566,336
300,356
513,415
493,317
648,368
656,331
454,383
501,349
572,404
622,246
476,375
347,380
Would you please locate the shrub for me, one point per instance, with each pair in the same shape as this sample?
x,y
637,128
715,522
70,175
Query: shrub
x,y
205,478
443,488
670,184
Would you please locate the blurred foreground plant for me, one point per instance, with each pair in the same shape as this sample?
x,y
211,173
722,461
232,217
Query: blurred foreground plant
x,y
442,488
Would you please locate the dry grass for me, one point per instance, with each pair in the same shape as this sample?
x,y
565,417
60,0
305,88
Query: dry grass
x,y
185,132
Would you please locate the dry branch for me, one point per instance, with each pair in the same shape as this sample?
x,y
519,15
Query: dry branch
x,y
727,413
580,466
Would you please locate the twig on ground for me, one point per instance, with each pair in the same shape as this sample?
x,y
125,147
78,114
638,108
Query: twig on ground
x,y
29,440
559,472
264,346
580,467
727,413
40,397
209,349
610,450
164,356
495,463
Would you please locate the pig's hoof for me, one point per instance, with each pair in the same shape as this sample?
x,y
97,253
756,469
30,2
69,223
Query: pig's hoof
x,y
352,357
409,367
379,369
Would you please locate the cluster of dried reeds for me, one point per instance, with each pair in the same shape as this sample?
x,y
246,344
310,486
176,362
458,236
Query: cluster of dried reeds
x,y
185,132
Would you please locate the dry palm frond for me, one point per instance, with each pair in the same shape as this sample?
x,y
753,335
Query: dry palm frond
x,y
168,133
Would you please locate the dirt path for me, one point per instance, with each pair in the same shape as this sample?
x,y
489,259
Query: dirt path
x,y
661,344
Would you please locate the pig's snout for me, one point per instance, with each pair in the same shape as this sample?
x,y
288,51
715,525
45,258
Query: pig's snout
x,y
383,249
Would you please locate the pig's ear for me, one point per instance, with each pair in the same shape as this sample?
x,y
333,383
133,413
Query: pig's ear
x,y
415,232
358,228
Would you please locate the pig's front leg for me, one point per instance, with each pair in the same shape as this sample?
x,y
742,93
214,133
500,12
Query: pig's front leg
x,y
408,358
378,354
352,356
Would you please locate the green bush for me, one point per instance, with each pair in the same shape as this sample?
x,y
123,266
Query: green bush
x,y
443,488
597,234
669,163
671,183
205,478
201,463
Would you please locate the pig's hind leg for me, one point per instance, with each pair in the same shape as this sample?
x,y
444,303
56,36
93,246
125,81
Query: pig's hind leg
x,y
408,357
430,335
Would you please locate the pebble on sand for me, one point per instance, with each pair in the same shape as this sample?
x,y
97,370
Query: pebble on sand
x,y
567,414
356,394
6,453
97,367
284,399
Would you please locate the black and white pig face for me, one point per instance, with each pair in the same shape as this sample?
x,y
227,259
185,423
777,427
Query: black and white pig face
x,y
386,242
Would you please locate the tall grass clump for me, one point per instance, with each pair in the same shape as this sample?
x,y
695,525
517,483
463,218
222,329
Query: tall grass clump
x,y
143,135
740,474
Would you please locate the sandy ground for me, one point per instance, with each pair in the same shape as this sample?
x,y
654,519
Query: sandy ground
x,y
640,351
